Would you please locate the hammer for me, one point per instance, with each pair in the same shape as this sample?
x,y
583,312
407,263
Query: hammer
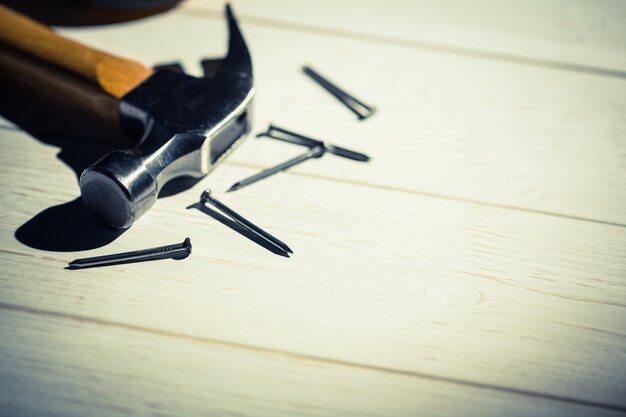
x,y
183,125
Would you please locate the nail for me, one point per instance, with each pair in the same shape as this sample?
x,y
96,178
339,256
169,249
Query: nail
x,y
314,152
285,135
177,251
207,198
288,136
362,110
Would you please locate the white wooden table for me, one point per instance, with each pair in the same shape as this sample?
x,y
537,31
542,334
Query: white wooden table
x,y
476,266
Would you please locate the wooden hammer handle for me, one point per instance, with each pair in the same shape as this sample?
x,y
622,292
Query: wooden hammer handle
x,y
117,76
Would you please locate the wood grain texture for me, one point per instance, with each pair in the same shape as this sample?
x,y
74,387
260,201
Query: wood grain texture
x,y
49,362
532,138
405,283
477,266
578,35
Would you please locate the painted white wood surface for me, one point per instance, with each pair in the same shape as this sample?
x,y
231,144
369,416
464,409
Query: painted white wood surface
x,y
428,282
380,278
575,34
68,366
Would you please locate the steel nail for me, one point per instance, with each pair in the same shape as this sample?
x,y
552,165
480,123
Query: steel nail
x,y
362,110
315,152
177,251
275,132
206,197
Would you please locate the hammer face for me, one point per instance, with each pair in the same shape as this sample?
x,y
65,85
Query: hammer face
x,y
184,125
118,189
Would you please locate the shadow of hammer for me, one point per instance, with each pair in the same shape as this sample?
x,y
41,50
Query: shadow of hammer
x,y
184,126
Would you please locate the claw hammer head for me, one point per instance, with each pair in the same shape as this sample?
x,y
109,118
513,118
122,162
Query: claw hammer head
x,y
185,126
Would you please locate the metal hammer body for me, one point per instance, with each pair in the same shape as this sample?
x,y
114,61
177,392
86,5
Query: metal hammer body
x,y
184,126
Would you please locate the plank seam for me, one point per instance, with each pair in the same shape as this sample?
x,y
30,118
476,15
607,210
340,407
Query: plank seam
x,y
408,191
434,195
408,43
312,358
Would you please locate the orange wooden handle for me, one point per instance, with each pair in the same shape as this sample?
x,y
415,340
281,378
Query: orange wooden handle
x,y
117,76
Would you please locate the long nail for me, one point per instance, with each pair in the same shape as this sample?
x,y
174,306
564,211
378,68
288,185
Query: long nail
x,y
314,152
207,198
288,136
177,251
362,110
285,135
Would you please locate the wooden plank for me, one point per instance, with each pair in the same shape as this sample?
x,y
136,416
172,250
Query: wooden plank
x,y
60,366
380,278
576,35
404,298
498,133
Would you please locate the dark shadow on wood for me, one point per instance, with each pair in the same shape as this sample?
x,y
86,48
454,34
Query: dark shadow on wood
x,y
55,119
239,229
178,185
67,227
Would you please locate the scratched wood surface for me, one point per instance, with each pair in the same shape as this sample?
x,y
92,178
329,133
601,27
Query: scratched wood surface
x,y
477,266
